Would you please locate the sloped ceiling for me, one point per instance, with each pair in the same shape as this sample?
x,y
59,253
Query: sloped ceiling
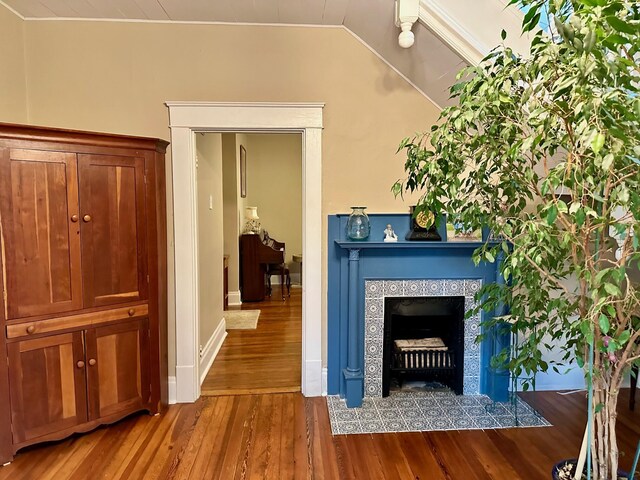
x,y
430,64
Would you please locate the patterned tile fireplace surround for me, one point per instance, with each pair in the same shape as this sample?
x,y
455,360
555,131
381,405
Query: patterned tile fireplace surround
x,y
362,277
375,293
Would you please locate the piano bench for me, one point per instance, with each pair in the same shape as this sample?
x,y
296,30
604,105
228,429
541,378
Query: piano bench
x,y
283,272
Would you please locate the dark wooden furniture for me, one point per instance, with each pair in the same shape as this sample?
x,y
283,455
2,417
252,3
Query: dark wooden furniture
x,y
254,258
83,269
225,281
634,385
279,269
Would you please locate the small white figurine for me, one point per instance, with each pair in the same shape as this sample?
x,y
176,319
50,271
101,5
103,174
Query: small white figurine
x,y
389,234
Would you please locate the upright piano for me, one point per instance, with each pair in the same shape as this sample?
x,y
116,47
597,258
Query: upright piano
x,y
254,258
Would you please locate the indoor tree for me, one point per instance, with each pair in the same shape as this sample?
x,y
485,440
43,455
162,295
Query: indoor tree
x,y
544,150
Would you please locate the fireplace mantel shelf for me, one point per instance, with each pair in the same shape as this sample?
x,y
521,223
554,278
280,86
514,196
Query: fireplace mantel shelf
x,y
350,244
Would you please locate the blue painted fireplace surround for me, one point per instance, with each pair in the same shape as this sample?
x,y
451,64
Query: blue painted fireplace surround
x,y
351,263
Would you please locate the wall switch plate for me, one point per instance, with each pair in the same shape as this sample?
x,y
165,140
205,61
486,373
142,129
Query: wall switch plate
x,y
210,202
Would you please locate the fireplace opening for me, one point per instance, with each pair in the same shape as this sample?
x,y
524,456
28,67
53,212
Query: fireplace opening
x,y
423,340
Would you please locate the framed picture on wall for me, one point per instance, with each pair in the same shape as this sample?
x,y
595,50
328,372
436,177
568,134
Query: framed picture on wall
x,y
243,171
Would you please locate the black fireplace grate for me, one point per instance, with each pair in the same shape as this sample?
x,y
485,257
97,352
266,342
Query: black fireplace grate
x,y
423,360
423,340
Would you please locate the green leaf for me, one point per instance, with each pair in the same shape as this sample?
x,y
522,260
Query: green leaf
x,y
597,143
585,329
552,214
617,39
612,289
503,34
574,207
624,337
621,25
607,161
603,321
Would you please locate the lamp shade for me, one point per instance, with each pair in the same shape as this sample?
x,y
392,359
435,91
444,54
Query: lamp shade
x,y
251,213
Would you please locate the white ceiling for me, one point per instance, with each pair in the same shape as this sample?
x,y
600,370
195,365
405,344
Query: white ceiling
x,y
430,64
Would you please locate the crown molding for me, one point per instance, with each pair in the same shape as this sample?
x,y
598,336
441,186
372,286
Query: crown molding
x,y
451,32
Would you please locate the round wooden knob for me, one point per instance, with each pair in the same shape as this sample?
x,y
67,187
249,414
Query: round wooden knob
x,y
31,329
92,361
74,218
80,364
131,312
87,218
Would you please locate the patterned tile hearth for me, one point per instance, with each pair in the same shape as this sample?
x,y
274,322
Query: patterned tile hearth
x,y
375,293
415,411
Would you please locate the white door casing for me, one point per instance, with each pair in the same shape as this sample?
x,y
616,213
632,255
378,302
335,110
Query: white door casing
x,y
186,118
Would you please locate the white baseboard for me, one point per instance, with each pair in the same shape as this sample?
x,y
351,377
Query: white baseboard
x,y
171,384
572,380
324,381
234,298
187,386
211,349
312,378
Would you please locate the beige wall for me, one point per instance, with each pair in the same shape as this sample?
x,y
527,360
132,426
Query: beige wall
x,y
274,185
210,238
13,84
230,194
114,77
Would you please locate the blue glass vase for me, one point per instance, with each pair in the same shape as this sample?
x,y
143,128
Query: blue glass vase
x,y
358,226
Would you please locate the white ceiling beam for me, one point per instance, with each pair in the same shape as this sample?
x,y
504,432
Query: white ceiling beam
x,y
472,29
449,30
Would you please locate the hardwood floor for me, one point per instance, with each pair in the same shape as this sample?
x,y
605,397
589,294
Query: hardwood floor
x,y
264,360
286,436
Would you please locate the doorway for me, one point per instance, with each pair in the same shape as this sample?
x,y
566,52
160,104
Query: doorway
x,y
188,118
249,195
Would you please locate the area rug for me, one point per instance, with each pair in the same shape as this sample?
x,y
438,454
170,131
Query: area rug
x,y
429,411
241,319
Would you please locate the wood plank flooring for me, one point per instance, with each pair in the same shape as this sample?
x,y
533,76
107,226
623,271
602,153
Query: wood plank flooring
x,y
286,436
264,360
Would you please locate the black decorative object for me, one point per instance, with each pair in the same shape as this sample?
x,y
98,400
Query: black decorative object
x,y
423,227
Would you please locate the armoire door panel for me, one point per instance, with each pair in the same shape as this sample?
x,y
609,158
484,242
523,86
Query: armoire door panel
x,y
48,386
118,368
40,240
112,223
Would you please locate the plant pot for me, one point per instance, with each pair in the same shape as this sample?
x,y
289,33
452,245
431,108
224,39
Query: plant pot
x,y
555,475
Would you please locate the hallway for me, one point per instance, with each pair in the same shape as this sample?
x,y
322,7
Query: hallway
x,y
264,360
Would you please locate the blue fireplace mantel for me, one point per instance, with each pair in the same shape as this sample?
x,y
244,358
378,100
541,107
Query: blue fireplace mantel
x,y
351,263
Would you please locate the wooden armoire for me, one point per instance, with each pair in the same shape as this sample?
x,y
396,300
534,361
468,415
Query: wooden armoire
x,y
83,275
